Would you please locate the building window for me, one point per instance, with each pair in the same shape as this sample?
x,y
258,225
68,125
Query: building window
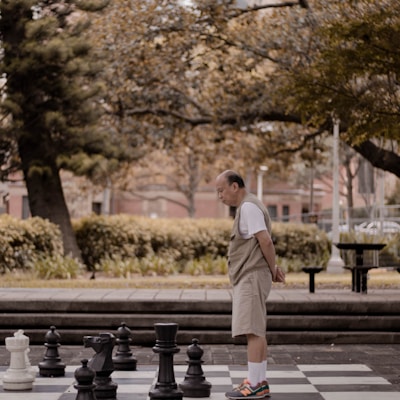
x,y
96,207
25,207
285,213
304,214
154,208
273,211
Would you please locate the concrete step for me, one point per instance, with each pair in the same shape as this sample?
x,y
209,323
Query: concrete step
x,y
296,318
140,322
364,305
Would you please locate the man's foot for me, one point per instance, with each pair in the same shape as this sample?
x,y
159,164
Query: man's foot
x,y
245,390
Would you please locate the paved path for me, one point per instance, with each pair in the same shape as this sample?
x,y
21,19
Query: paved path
x,y
285,295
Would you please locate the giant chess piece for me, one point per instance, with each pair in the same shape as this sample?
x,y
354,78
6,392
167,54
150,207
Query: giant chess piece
x,y
17,376
166,387
124,359
52,364
195,384
102,364
84,382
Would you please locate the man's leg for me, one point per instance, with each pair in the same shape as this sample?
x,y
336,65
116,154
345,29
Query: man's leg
x,y
256,348
256,357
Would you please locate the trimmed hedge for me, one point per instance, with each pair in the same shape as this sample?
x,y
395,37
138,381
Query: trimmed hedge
x,y
182,240
300,245
125,236
124,244
102,237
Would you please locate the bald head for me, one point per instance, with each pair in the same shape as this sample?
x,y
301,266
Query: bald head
x,y
230,188
232,177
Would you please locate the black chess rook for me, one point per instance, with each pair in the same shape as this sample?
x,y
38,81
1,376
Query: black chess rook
x,y
195,383
124,360
84,377
166,386
52,364
102,364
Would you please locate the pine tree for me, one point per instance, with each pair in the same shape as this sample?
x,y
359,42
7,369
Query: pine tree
x,y
49,100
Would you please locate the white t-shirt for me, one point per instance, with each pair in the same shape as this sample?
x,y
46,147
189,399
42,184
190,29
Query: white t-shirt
x,y
251,220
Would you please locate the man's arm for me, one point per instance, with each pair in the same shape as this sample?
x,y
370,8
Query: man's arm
x,y
268,250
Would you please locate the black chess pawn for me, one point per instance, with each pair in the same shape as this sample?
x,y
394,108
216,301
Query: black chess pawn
x,y
84,382
52,364
195,384
166,387
124,359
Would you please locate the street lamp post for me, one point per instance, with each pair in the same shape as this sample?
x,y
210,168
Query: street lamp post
x,y
335,263
260,174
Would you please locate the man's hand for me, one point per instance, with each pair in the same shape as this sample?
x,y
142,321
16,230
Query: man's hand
x,y
280,275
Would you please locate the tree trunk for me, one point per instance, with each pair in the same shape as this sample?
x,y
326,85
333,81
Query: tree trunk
x,y
46,199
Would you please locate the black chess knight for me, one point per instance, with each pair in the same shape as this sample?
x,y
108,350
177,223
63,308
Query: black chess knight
x,y
102,364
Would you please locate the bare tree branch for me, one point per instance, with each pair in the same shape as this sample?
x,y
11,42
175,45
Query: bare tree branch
x,y
303,143
227,120
242,46
142,197
300,3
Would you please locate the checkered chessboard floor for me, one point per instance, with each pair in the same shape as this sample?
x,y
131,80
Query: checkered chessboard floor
x,y
300,382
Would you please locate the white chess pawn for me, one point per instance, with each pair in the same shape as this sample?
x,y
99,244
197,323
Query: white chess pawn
x,y
17,376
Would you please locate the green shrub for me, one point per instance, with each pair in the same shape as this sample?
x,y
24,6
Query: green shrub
x,y
194,246
117,267
102,237
157,265
300,245
22,242
187,239
57,266
45,236
123,245
391,252
207,265
125,236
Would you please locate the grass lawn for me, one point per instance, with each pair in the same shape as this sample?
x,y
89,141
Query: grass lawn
x,y
378,279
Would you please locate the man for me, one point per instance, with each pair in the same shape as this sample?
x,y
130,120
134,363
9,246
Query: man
x,y
252,269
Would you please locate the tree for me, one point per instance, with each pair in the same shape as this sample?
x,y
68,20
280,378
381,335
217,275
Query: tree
x,y
186,163
51,102
171,74
351,72
213,63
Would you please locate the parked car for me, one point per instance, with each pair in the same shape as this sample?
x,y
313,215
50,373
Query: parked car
x,y
361,227
343,228
374,227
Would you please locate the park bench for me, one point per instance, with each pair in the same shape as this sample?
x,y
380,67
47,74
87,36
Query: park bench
x,y
311,271
359,277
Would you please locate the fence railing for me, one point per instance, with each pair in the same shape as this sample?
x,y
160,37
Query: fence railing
x,y
358,217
